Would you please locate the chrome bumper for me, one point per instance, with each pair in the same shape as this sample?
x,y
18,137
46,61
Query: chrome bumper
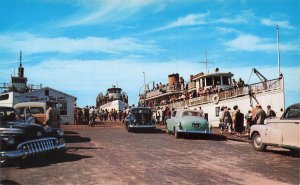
x,y
33,147
142,126
195,131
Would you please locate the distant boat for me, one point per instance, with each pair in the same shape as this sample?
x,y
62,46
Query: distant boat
x,y
114,98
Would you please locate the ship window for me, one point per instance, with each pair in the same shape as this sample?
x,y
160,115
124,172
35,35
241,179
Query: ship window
x,y
225,80
209,81
217,80
47,92
4,97
217,111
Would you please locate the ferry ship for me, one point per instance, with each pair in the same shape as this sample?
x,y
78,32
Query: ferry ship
x,y
212,91
115,98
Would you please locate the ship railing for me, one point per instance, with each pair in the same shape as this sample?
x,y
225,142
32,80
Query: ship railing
x,y
237,92
174,88
191,85
153,93
266,86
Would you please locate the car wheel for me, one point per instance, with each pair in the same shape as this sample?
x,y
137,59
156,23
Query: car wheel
x,y
257,143
128,129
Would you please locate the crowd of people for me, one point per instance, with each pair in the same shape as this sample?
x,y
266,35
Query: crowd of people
x,y
233,120
185,95
88,115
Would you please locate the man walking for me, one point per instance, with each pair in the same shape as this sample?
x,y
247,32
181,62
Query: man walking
x,y
260,115
52,116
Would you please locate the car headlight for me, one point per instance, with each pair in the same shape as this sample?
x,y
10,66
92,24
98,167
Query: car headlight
x,y
10,141
39,134
60,132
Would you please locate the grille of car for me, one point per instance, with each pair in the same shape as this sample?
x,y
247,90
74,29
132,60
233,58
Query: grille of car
x,y
38,146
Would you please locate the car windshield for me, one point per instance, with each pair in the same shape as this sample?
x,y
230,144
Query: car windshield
x,y
36,110
292,113
141,111
7,114
191,113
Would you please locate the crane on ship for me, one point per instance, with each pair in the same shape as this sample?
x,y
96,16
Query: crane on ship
x,y
262,78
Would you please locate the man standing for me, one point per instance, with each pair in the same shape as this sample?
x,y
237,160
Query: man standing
x,y
270,112
260,115
201,112
52,116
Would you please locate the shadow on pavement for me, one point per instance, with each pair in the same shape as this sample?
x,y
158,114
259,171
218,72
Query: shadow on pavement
x,y
290,153
204,137
82,148
76,139
8,182
44,160
70,132
144,130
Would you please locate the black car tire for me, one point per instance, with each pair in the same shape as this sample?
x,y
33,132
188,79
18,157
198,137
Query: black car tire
x,y
257,144
128,129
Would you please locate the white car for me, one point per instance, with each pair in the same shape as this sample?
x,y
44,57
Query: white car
x,y
282,132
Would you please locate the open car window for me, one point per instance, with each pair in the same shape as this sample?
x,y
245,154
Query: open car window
x,y
37,110
292,113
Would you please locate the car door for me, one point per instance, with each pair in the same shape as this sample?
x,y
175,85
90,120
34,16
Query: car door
x,y
287,127
170,122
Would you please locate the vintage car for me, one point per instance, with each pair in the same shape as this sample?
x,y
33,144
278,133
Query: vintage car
x,y
22,138
282,132
34,109
139,117
187,121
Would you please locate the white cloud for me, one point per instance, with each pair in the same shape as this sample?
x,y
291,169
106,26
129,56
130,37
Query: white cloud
x,y
273,23
99,11
188,20
35,44
247,42
235,20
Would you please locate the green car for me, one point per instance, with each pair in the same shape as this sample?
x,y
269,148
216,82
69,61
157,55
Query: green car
x,y
187,121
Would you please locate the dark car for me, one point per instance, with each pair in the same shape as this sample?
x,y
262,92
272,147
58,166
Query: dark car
x,y
140,118
22,138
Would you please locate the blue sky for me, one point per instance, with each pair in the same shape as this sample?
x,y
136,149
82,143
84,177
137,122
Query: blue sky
x,y
82,47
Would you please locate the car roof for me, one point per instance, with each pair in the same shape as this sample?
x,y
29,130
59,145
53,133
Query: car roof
x,y
30,104
296,105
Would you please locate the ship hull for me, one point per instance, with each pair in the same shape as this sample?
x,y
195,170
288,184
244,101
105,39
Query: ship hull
x,y
269,93
275,99
118,105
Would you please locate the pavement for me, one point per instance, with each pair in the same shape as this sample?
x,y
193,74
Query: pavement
x,y
119,124
108,154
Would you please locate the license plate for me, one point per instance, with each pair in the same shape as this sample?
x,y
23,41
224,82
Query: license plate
x,y
196,125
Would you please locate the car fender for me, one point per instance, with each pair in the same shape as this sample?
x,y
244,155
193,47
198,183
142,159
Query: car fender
x,y
261,129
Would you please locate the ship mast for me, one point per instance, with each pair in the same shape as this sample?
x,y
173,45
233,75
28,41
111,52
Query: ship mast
x,y
206,62
279,73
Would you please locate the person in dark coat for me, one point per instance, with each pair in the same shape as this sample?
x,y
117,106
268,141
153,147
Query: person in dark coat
x,y
239,122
